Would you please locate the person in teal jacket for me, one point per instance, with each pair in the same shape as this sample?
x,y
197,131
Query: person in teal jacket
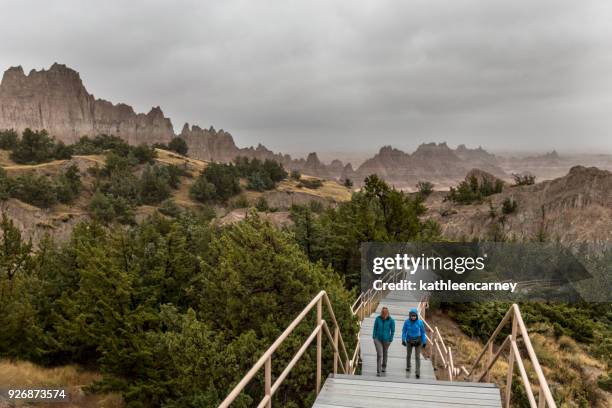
x,y
384,330
413,336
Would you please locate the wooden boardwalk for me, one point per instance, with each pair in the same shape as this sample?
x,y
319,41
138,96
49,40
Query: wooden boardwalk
x,y
398,388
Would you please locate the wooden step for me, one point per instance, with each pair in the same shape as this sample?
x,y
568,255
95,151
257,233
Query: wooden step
x,y
363,392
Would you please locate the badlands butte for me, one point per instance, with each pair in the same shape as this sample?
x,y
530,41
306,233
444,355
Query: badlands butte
x,y
570,201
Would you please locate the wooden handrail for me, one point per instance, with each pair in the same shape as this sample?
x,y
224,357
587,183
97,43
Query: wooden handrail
x,y
368,298
532,356
525,378
497,330
438,345
513,315
518,329
265,360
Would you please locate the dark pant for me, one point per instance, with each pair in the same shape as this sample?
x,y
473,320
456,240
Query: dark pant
x,y
417,356
381,354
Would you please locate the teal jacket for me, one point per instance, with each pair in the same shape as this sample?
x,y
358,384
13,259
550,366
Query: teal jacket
x,y
384,330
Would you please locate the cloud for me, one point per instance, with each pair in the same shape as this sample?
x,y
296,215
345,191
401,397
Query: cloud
x,y
332,75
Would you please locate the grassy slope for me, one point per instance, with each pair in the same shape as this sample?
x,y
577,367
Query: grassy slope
x,y
330,190
28,375
569,369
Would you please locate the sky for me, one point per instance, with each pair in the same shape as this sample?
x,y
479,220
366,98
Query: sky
x,y
340,76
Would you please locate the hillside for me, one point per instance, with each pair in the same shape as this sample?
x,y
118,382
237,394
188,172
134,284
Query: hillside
x,y
59,219
574,208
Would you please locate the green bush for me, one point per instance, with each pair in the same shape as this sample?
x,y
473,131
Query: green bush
x,y
425,188
509,205
115,163
240,202
122,184
178,145
61,151
473,190
41,191
316,206
262,204
100,144
259,181
69,185
143,153
106,208
5,185
203,191
175,173
169,208
34,147
154,185
8,139
525,179
295,175
275,170
218,182
312,184
101,207
260,175
33,189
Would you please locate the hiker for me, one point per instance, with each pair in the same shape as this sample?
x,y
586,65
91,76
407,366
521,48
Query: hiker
x,y
384,330
413,336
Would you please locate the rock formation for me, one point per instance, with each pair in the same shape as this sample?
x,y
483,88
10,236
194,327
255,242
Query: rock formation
x,y
209,144
482,177
573,208
432,162
56,100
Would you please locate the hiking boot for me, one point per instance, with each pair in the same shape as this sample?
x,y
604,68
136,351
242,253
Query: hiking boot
x,y
418,376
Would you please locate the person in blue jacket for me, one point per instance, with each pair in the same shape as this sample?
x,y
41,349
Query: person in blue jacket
x,y
413,336
384,330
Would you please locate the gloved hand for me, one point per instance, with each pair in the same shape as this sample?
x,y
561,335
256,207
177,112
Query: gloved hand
x,y
424,345
403,343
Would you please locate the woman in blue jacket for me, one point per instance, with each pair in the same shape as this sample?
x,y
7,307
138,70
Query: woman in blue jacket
x,y
384,330
413,336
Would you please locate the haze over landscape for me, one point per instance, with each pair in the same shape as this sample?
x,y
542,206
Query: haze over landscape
x,y
341,76
179,179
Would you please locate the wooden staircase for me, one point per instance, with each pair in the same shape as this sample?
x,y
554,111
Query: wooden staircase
x,y
398,388
348,387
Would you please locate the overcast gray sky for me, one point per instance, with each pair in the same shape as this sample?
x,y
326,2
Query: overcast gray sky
x,y
349,75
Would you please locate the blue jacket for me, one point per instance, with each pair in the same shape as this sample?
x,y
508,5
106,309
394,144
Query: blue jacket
x,y
414,329
384,330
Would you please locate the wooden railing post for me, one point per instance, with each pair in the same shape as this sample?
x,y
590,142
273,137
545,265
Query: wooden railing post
x,y
449,358
268,381
541,400
511,362
336,350
488,377
319,345
433,352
